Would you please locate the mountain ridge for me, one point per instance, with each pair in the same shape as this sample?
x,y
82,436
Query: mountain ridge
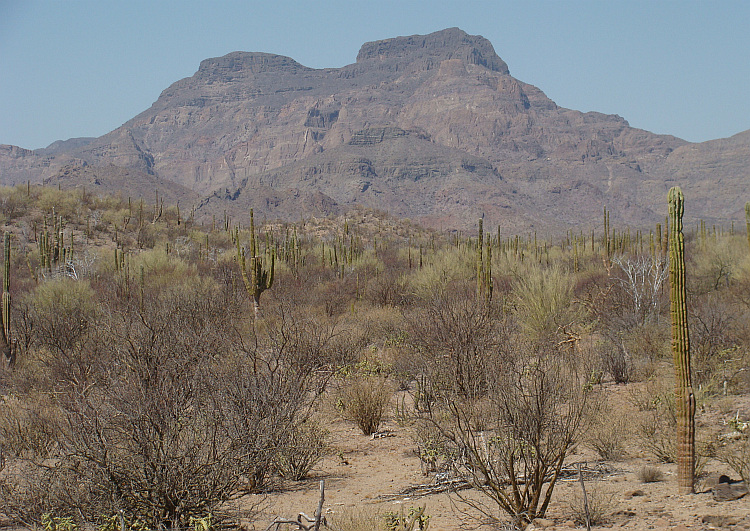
x,y
390,131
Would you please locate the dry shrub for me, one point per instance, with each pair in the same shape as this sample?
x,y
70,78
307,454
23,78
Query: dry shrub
x,y
433,449
28,429
657,431
544,301
608,436
365,399
645,398
650,474
658,426
308,444
617,362
535,409
601,504
736,455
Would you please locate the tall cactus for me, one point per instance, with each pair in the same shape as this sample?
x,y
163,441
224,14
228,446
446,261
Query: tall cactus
x,y
7,342
747,220
685,400
260,279
480,261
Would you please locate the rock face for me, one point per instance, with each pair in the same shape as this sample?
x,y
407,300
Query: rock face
x,y
431,127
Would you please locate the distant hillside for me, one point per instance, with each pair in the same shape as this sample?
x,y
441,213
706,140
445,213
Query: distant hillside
x,y
430,127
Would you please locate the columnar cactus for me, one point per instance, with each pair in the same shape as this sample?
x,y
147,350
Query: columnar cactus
x,y
480,261
7,342
747,220
685,400
260,278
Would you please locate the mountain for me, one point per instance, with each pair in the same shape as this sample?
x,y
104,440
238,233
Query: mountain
x,y
430,127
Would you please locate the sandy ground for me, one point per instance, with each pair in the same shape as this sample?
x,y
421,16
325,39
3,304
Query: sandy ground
x,y
373,475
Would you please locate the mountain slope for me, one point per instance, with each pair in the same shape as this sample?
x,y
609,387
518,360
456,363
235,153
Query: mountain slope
x,y
430,127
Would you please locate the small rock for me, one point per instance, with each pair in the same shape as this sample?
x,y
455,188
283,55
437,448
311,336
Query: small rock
x,y
541,523
680,528
634,493
661,522
717,520
728,490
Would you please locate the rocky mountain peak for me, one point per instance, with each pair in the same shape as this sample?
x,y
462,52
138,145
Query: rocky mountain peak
x,y
451,43
238,63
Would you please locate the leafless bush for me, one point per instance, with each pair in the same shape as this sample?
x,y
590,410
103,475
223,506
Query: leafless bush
x,y
642,279
601,503
656,432
617,362
736,455
180,413
365,400
607,436
308,444
534,410
457,337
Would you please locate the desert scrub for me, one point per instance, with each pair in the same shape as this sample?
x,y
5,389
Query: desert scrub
x,y
432,448
735,449
607,436
356,519
649,474
416,519
364,400
308,445
601,504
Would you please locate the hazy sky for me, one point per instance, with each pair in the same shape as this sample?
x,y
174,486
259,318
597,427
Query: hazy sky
x,y
71,68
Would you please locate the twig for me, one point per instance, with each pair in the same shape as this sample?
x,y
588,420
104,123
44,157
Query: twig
x,y
585,499
315,523
319,514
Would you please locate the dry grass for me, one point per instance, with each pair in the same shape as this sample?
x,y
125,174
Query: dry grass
x,y
650,474
356,519
601,504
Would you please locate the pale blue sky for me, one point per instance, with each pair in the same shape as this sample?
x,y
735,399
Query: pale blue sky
x,y
71,68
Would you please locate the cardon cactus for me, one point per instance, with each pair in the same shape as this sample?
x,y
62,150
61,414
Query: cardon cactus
x,y
7,342
260,279
747,221
684,397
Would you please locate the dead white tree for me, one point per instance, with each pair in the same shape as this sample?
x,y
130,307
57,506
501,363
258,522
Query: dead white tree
x,y
643,281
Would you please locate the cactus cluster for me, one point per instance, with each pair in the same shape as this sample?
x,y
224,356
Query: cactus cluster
x,y
52,249
684,397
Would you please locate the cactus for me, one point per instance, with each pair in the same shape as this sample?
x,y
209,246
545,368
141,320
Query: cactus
x,y
480,261
747,220
685,400
7,342
260,279
483,264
